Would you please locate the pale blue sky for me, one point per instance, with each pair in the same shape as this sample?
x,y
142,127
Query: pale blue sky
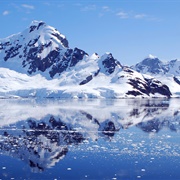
x,y
130,29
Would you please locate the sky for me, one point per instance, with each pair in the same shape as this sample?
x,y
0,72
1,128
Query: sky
x,y
129,29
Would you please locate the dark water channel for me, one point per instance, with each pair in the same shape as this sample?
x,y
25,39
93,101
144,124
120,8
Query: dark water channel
x,y
95,139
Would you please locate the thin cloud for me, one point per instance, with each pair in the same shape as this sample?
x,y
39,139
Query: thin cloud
x,y
100,14
15,6
132,15
78,4
106,8
89,8
60,5
155,19
140,16
27,6
5,13
47,3
122,15
25,19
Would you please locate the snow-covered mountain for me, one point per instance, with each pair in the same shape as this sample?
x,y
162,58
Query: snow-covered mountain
x,y
39,62
151,64
166,72
39,48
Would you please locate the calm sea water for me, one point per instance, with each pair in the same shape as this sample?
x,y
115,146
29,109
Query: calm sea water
x,y
90,139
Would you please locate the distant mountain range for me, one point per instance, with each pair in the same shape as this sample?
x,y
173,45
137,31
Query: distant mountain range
x,y
167,72
154,66
38,62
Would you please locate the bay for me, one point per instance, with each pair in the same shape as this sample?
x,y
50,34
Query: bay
x,y
90,139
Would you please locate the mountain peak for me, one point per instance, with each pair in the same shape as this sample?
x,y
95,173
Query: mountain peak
x,y
47,33
36,23
150,64
150,56
108,63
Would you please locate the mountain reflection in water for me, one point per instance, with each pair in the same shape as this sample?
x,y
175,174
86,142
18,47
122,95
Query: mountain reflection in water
x,y
41,133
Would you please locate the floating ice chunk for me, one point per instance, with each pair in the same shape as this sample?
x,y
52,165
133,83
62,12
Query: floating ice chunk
x,y
154,130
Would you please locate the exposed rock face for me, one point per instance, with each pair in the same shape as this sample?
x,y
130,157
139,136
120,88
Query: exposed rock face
x,y
109,63
150,86
146,85
70,59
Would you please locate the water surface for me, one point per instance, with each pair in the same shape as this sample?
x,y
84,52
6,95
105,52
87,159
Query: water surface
x,y
89,139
